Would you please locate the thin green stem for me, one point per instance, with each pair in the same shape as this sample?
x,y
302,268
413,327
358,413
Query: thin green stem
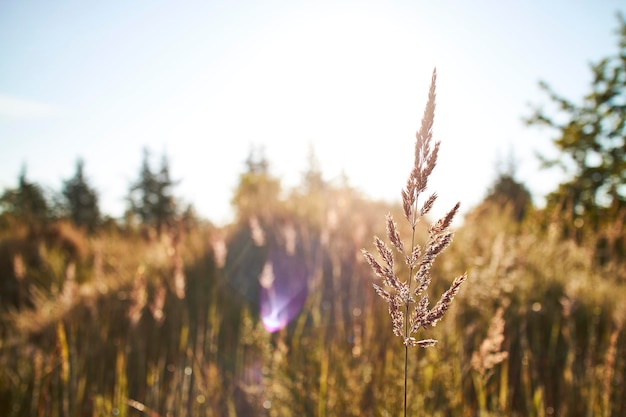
x,y
406,307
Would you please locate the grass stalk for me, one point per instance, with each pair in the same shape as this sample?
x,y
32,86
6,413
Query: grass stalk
x,y
406,310
402,294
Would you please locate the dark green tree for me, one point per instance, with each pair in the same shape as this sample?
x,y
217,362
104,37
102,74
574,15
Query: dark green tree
x,y
151,197
142,196
81,200
591,140
506,191
165,208
27,201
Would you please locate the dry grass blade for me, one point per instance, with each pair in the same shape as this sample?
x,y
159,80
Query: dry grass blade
x,y
428,205
402,295
443,304
393,235
445,221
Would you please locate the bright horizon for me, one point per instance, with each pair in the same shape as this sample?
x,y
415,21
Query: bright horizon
x,y
205,82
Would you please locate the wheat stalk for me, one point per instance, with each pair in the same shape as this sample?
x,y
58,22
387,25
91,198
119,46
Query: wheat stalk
x,y
401,295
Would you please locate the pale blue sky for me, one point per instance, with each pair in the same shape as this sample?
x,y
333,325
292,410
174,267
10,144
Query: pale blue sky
x,y
204,81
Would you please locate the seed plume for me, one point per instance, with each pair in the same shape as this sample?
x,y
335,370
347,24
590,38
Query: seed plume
x,y
401,295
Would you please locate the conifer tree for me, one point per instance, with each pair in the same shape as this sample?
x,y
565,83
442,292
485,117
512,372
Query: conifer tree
x,y
151,197
81,200
507,191
26,201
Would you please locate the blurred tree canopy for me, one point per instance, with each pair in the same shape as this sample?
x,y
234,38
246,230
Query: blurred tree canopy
x,y
81,200
591,139
151,196
27,201
258,192
507,192
312,178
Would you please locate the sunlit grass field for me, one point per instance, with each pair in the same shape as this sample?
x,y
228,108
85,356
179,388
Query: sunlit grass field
x,y
275,315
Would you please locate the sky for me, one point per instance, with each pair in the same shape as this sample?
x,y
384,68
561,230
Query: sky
x,y
204,82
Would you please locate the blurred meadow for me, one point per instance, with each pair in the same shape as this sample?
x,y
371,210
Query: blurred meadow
x,y
274,314
162,312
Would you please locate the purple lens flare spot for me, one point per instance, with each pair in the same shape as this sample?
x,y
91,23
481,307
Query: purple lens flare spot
x,y
283,290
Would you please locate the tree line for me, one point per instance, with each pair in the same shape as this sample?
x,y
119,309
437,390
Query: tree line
x,y
590,139
150,198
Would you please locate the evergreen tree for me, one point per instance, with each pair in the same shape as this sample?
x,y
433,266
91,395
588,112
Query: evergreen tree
x,y
142,196
151,197
508,191
81,200
165,208
26,201
592,142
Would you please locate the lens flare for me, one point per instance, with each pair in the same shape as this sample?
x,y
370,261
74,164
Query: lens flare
x,y
283,290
